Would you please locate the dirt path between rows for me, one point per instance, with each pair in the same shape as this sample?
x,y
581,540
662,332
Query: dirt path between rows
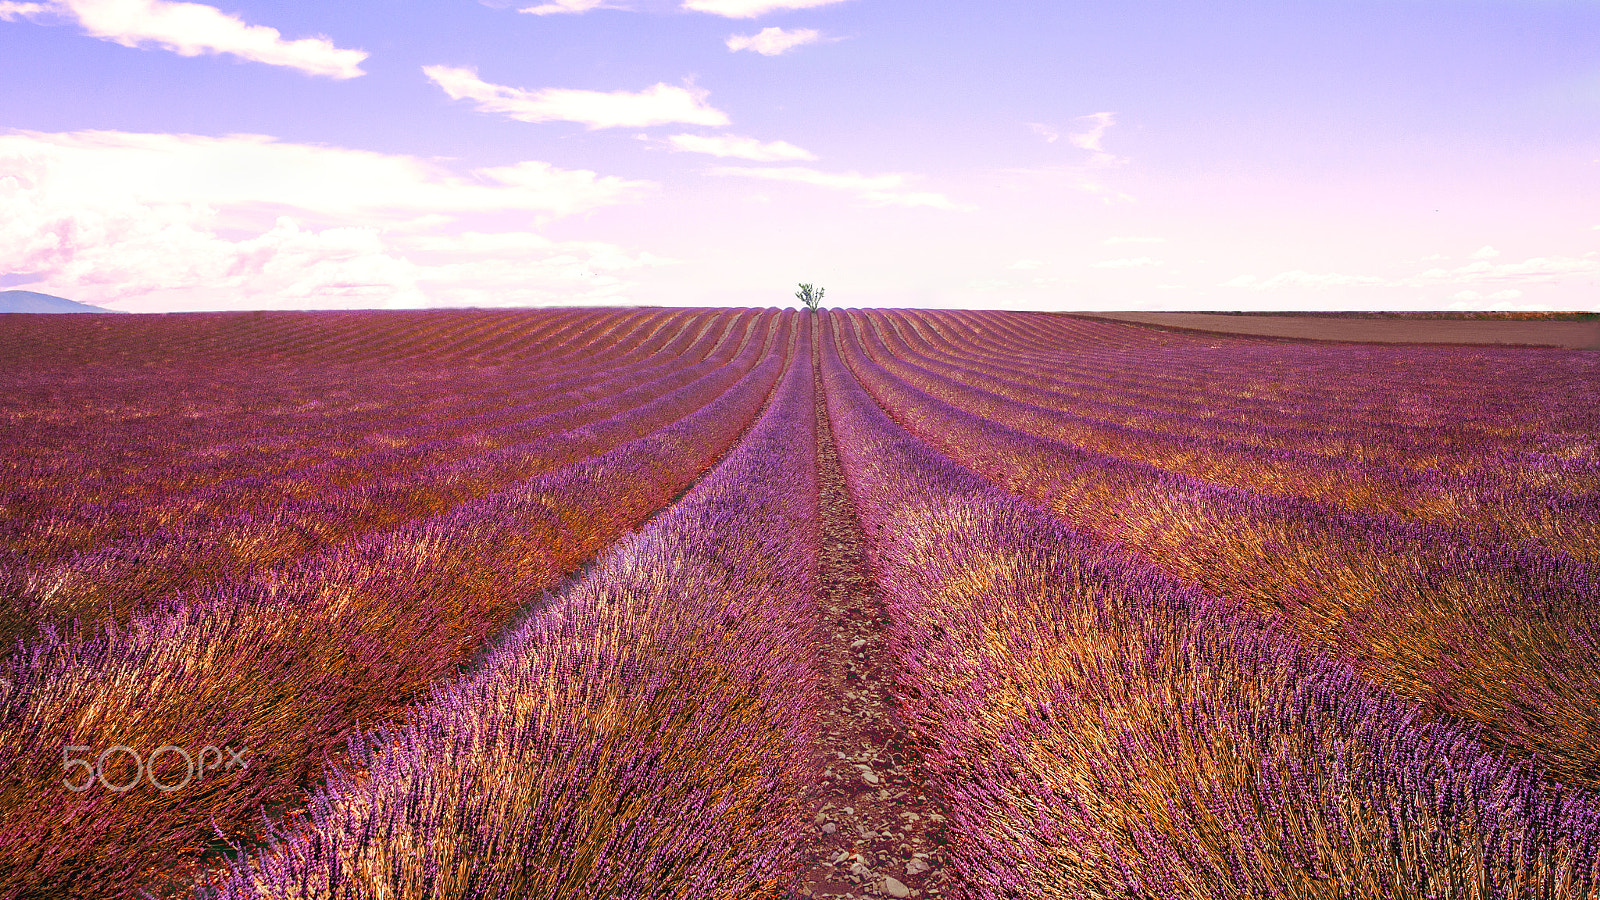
x,y
878,833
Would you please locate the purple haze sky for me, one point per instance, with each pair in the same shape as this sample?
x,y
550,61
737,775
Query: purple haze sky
x,y
1404,154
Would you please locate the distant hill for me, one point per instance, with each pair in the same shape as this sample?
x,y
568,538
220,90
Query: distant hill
x,y
35,302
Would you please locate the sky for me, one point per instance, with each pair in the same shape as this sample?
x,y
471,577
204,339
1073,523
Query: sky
x,y
161,156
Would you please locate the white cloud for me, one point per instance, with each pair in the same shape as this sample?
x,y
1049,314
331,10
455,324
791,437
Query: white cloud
x,y
1482,271
520,268
566,6
992,285
242,170
1545,269
1090,140
850,181
773,41
1302,278
1084,178
1137,262
1134,240
1509,294
749,9
1049,134
875,190
183,221
740,147
1504,301
658,105
193,29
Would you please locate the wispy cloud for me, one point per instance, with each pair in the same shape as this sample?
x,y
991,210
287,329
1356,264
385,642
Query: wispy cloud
x,y
1089,179
193,29
113,216
773,41
1473,297
992,285
728,145
1482,271
1538,269
1026,264
1302,278
874,190
1049,134
1090,139
661,104
566,6
749,9
1136,262
89,166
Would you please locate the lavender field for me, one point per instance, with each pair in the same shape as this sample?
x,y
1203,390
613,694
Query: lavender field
x,y
758,603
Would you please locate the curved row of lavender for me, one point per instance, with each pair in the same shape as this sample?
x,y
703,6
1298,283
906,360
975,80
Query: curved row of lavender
x,y
265,337
1099,729
1507,636
112,450
109,450
234,528
1506,417
654,733
144,442
1296,401
1186,444
286,664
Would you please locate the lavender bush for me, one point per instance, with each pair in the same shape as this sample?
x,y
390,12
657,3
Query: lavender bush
x,y
652,734
1101,730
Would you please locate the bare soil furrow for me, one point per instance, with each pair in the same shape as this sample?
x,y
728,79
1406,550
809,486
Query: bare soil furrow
x,y
878,832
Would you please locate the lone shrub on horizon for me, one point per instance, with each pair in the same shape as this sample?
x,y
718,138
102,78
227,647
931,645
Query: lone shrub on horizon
x,y
811,299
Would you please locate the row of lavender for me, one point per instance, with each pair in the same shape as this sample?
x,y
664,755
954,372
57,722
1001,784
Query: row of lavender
x,y
286,663
271,338
1099,729
1511,417
1188,444
653,733
1102,726
92,435
1285,385
148,437
1506,636
96,558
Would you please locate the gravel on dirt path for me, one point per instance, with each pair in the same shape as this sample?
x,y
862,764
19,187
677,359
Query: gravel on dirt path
x,y
878,832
